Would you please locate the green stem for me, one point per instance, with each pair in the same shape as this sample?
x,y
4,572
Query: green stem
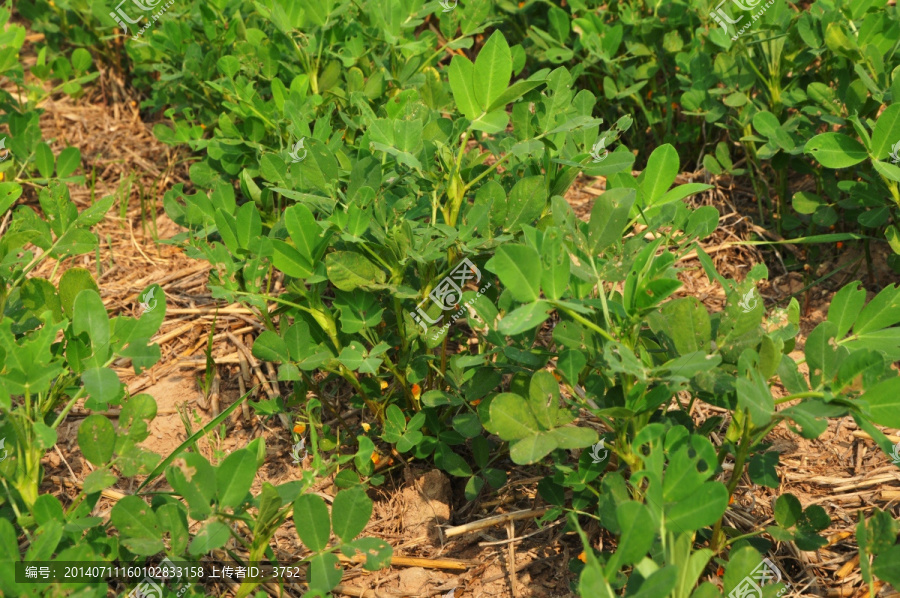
x,y
581,319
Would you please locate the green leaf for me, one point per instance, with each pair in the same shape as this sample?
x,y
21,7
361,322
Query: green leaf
x,y
9,193
511,417
513,92
45,435
821,354
637,535
573,437
211,536
788,510
69,160
527,200
525,318
515,266
881,312
887,565
312,521
834,150
805,202
234,476
348,271
91,317
138,525
447,460
290,261
884,402
556,265
609,216
98,480
97,438
44,160
249,224
324,572
268,346
701,509
95,213
460,74
493,70
532,449
886,132
302,227
662,168
350,513
845,306
491,122
766,123
103,385
39,295
72,282
378,552
81,60
763,469
191,476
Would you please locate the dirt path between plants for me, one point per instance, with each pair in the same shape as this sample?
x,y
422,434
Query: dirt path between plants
x,y
842,470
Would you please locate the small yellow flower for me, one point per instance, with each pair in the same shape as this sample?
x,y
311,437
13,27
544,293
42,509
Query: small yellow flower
x,y
476,402
300,428
1,176
384,384
416,391
376,458
366,426
582,557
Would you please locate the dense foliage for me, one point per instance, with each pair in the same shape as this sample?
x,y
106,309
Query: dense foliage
x,y
399,170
